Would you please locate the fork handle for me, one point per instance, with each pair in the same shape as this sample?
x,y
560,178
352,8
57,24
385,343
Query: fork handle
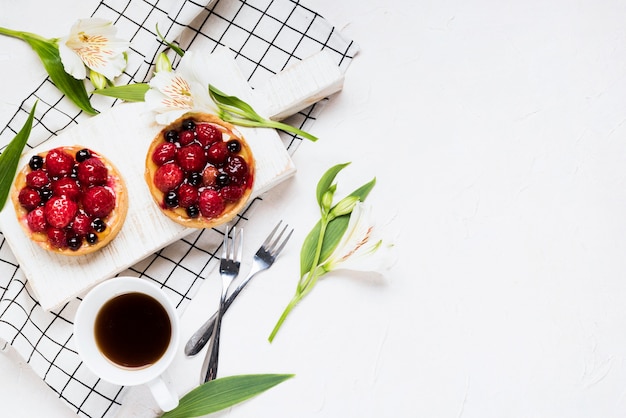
x,y
209,367
199,339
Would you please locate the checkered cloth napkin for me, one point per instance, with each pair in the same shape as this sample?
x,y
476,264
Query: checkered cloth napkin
x,y
265,36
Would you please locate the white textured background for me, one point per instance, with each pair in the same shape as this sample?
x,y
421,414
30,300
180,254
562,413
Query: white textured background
x,y
496,132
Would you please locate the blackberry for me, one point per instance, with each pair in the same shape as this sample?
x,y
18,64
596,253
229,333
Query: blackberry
x,y
82,155
171,136
45,194
233,146
74,242
194,178
193,211
222,179
91,238
36,162
171,199
188,125
98,225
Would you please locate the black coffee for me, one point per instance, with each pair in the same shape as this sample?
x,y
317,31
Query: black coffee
x,y
133,330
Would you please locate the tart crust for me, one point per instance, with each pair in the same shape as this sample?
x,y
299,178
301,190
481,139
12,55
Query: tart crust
x,y
179,214
114,221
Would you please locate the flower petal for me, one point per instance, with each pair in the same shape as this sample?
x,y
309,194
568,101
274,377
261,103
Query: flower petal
x,y
72,64
362,248
173,93
94,41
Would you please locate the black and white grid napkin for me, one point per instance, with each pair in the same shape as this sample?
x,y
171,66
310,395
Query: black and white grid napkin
x,y
265,36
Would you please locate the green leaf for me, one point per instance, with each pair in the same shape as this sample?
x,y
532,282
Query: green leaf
x,y
222,393
326,181
174,48
247,116
233,104
335,229
363,191
48,52
10,158
129,93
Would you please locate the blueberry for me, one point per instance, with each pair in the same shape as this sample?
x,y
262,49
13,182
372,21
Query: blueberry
x,y
193,211
188,125
171,136
74,172
171,199
98,225
36,162
233,145
91,238
82,155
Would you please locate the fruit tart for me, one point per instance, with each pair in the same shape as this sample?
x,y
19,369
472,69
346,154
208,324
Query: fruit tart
x,y
200,170
70,200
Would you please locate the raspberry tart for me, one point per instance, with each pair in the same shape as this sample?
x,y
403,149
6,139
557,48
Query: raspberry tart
x,y
200,170
70,200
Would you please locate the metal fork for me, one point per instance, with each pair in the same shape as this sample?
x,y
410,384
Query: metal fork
x,y
263,259
229,269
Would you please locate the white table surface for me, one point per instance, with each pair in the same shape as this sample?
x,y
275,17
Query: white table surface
x,y
496,132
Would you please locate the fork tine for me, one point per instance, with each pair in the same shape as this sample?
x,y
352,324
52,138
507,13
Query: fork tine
x,y
271,235
282,245
239,247
233,245
225,243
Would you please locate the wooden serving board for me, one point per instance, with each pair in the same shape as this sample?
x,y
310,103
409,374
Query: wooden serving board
x,y
123,135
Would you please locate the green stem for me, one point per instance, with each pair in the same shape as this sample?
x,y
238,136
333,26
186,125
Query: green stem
x,y
19,34
306,280
267,123
294,301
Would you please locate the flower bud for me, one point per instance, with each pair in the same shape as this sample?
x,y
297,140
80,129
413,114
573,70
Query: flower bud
x,y
344,207
327,200
98,80
163,63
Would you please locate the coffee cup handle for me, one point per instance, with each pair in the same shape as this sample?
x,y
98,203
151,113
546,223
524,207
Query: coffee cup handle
x,y
165,397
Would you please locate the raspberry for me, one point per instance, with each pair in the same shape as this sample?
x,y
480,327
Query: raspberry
x,y
217,153
231,193
164,153
191,158
168,177
37,179
92,172
81,224
211,204
237,170
206,134
98,201
66,187
186,137
29,198
60,211
187,195
57,237
209,175
59,163
36,220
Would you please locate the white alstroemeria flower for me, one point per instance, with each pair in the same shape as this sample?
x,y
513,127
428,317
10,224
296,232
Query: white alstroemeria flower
x,y
362,247
92,44
174,93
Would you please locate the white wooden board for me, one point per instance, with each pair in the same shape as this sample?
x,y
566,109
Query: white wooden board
x,y
123,134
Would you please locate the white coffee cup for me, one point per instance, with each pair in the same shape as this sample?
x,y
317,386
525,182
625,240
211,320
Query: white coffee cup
x,y
90,347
